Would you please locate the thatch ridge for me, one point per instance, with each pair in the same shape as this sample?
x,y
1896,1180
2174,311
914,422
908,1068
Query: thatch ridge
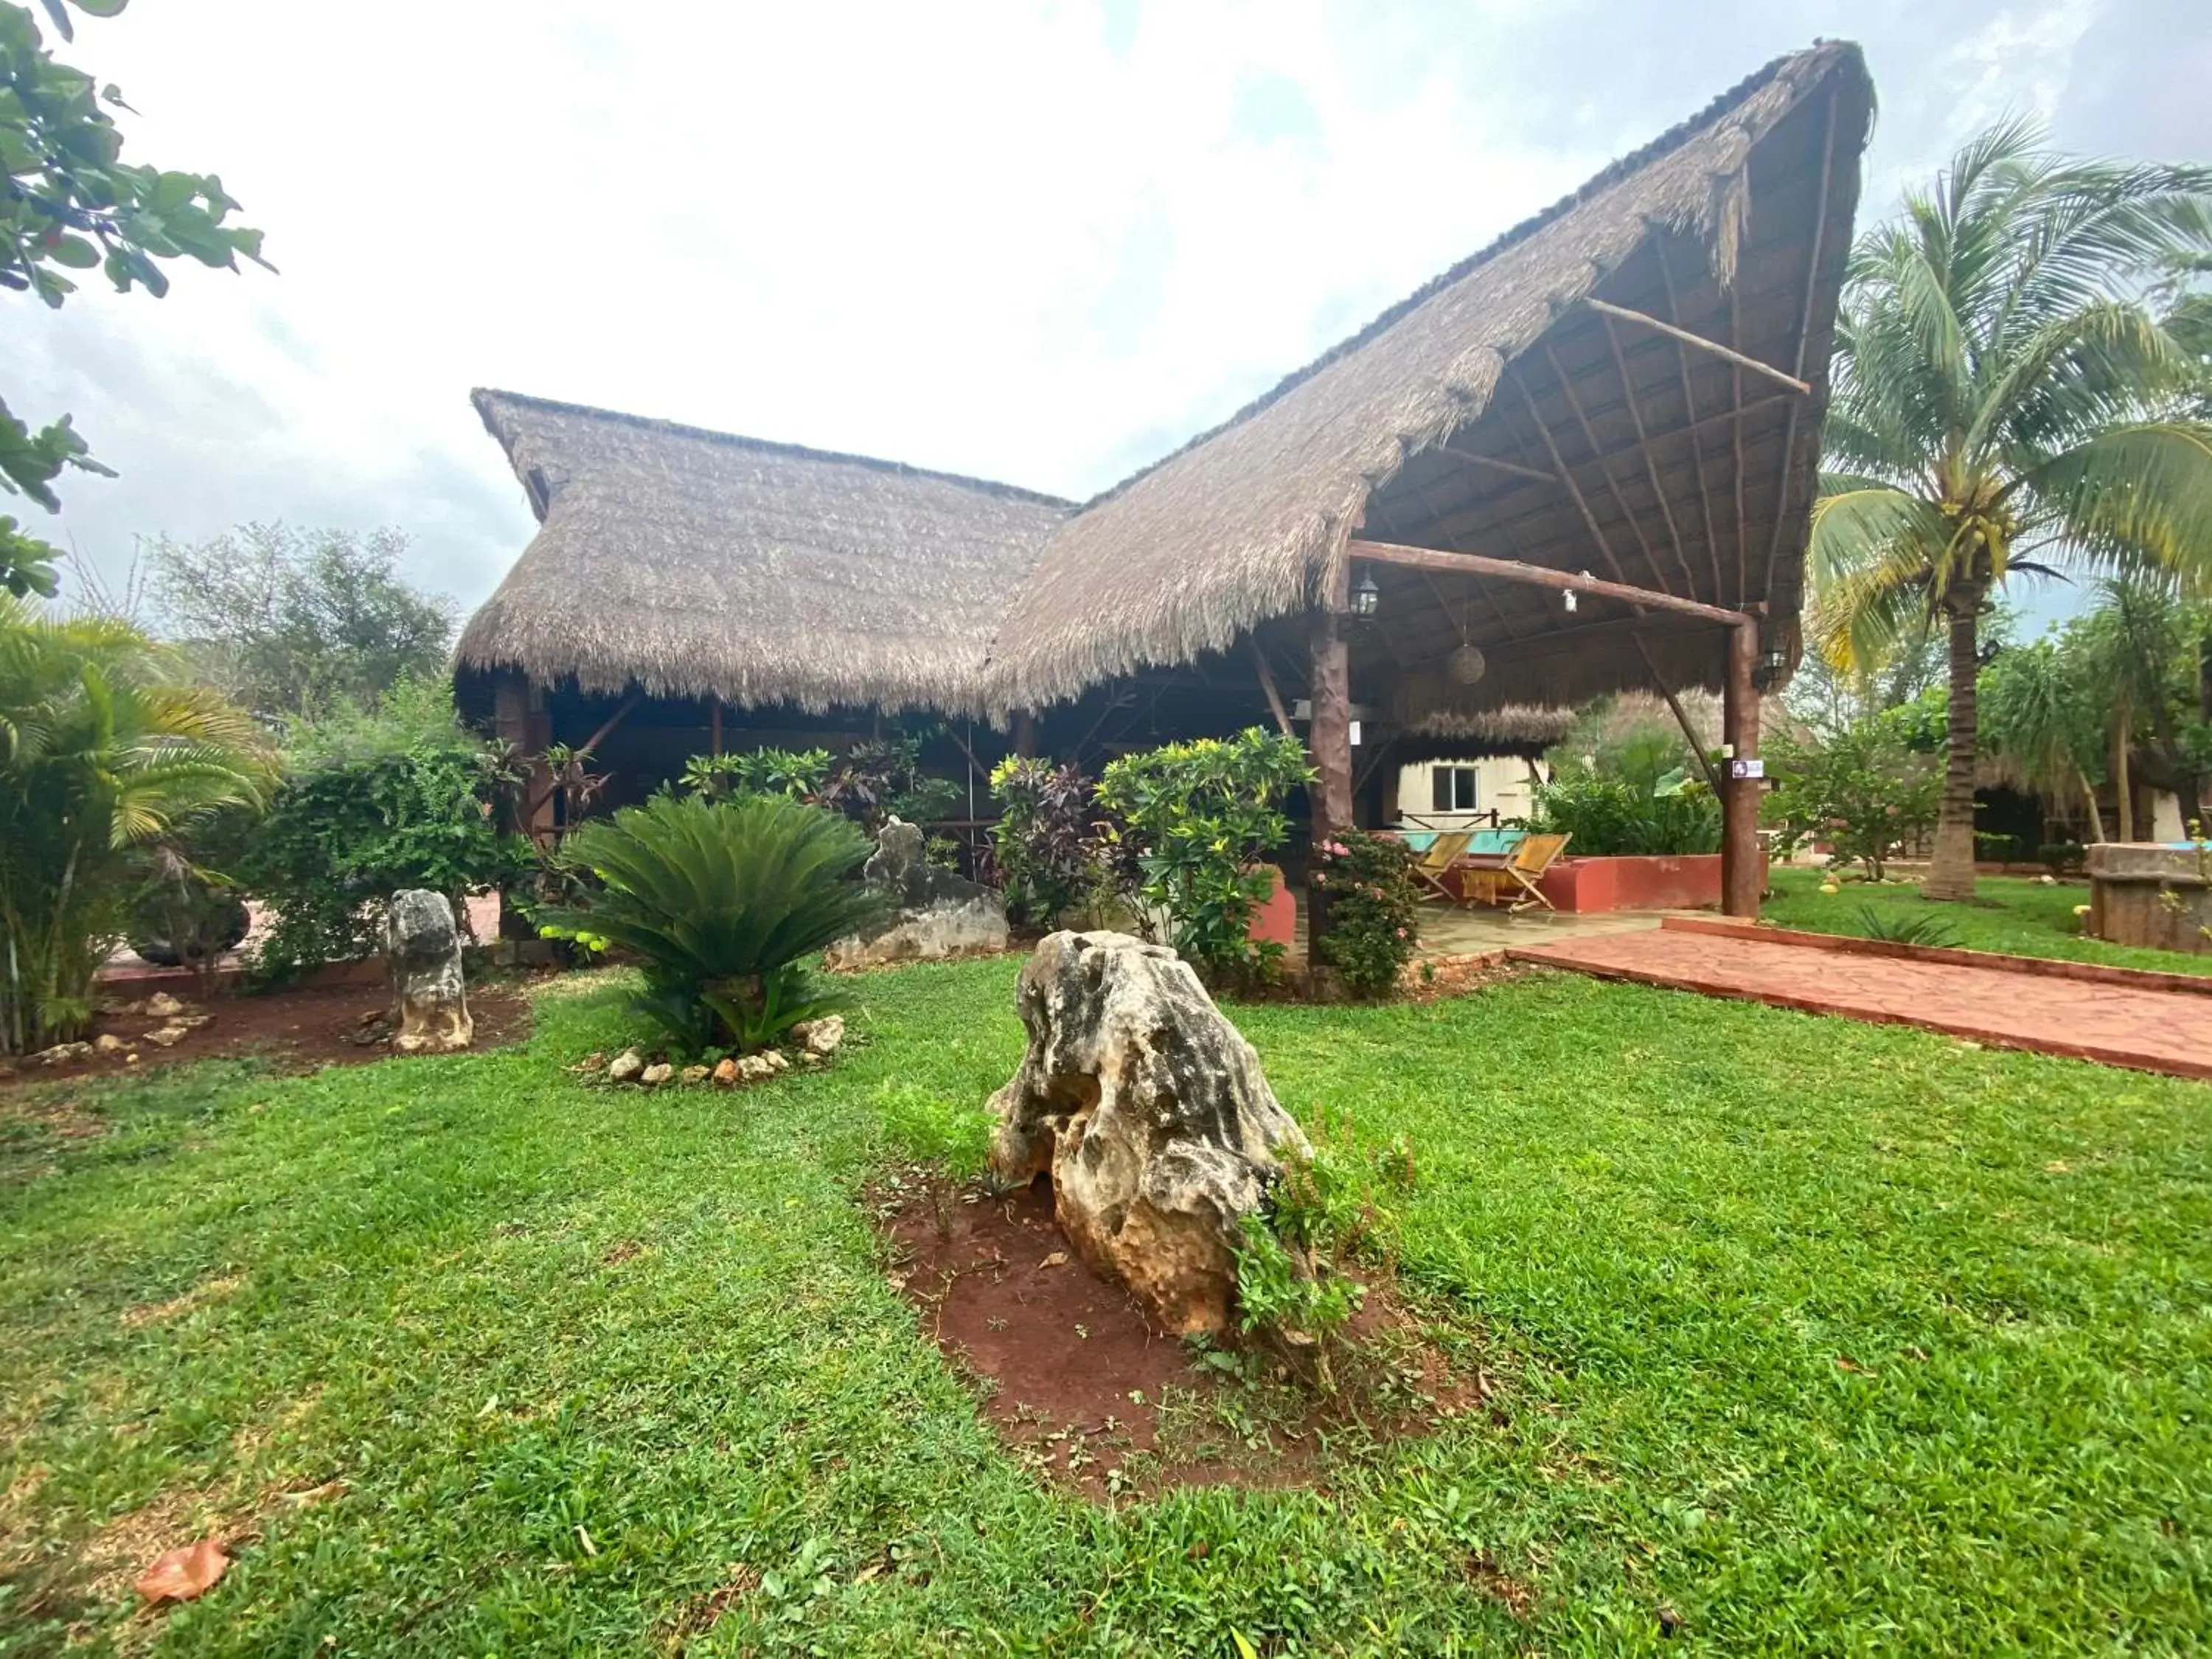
x,y
1635,161
485,398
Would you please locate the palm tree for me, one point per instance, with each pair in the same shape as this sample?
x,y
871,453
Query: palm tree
x,y
2005,401
103,750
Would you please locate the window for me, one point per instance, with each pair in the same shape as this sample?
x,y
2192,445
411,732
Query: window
x,y
1451,789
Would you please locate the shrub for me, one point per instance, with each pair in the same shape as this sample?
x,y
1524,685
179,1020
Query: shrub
x,y
372,803
1372,906
103,752
797,773
725,901
1200,816
1861,788
1046,840
1620,817
2062,856
1995,848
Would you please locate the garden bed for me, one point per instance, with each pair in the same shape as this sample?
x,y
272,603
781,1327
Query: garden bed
x,y
1083,1391
1689,881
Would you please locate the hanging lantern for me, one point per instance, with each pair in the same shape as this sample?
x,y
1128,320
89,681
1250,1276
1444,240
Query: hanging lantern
x,y
1366,598
1466,664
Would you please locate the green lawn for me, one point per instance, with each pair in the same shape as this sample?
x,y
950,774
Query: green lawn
x,y
2014,914
1821,1337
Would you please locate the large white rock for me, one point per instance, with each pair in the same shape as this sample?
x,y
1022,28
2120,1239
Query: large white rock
x,y
1151,1113
934,913
422,960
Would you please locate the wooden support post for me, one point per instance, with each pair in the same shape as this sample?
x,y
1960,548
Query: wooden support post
x,y
1025,733
1740,882
714,725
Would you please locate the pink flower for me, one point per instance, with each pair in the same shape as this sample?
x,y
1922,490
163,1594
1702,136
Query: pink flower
x,y
1401,932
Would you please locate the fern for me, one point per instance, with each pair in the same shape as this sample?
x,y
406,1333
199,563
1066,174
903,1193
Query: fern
x,y
725,900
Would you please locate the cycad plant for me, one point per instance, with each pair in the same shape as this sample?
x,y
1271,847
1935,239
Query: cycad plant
x,y
2006,401
726,901
104,751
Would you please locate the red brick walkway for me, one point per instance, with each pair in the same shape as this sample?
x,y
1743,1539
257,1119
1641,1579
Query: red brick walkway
x,y
2121,1025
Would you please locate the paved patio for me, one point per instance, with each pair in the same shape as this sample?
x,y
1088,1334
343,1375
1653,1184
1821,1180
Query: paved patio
x,y
2118,1024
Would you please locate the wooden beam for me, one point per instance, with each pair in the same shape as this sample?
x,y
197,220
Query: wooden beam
x,y
621,713
1740,872
1681,718
1536,575
1804,340
1582,502
1513,467
1727,353
1605,466
1274,696
1696,426
1643,449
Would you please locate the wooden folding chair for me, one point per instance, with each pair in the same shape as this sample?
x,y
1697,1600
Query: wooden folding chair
x,y
1524,870
1433,868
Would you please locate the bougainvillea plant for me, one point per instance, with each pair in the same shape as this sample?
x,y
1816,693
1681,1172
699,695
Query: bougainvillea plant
x,y
1372,929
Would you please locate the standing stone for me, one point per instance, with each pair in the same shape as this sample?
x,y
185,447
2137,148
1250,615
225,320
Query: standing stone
x,y
1151,1113
931,913
423,957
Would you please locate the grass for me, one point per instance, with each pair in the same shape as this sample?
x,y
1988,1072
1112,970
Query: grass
x,y
1816,1338
2014,913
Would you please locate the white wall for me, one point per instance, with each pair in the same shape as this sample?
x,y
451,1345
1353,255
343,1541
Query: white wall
x,y
1501,782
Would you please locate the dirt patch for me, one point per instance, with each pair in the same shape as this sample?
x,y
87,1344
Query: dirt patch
x,y
302,1028
1430,979
1517,1598
154,1313
1082,1389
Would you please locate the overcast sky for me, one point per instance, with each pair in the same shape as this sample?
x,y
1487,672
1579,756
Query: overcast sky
x,y
1042,244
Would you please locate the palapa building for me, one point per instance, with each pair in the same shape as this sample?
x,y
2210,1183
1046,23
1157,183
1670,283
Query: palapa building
x,y
1581,461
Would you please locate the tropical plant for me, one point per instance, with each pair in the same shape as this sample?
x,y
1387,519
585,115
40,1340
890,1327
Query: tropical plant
x,y
1047,842
1930,929
1373,928
104,751
725,901
371,804
2005,401
2040,708
293,623
1199,817
1617,817
1863,790
799,773
73,204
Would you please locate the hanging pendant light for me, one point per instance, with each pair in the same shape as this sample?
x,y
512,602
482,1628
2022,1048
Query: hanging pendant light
x,y
1466,664
1366,598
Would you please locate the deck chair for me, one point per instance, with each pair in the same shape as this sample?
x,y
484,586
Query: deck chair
x,y
1517,877
1433,868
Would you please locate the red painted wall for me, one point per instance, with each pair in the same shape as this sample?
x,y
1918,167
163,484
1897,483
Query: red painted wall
x,y
1274,919
1585,885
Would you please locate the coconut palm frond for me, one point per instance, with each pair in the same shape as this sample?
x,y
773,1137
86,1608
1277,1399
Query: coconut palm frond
x,y
2134,494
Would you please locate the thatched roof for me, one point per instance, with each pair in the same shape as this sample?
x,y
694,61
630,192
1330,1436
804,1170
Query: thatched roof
x,y
1526,729
1242,523
696,564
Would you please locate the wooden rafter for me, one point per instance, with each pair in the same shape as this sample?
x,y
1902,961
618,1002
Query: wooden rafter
x,y
1726,353
1690,412
1605,467
1513,467
1582,501
1644,449
1804,341
1274,698
1681,718
1535,576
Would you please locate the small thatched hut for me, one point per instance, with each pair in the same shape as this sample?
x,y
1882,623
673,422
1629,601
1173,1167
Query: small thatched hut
x,y
1580,461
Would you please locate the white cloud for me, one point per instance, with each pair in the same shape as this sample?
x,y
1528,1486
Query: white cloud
x,y
1027,242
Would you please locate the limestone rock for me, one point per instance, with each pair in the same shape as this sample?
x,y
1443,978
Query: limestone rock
x,y
820,1037
167,1037
934,913
62,1053
1149,1111
626,1066
726,1074
656,1074
692,1076
423,959
162,1005
108,1044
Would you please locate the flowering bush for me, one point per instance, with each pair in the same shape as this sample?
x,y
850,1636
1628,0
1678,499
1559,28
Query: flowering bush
x,y
1199,817
1372,903
1862,789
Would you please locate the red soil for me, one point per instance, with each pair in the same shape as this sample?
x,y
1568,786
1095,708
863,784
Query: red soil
x,y
1074,1379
